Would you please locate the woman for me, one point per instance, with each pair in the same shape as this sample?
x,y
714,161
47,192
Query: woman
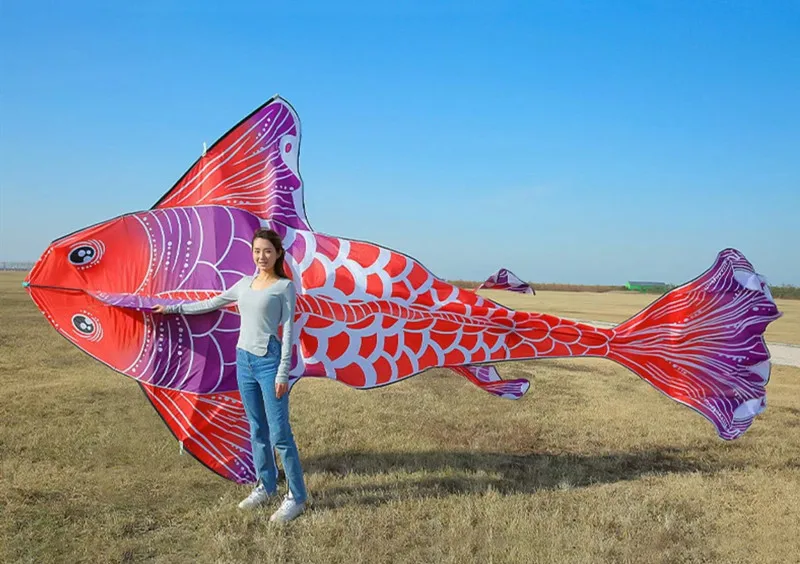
x,y
265,302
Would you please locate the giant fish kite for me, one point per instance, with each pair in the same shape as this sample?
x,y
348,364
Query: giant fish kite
x,y
366,316
504,279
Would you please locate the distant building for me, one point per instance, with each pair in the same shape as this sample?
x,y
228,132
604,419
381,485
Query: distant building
x,y
641,286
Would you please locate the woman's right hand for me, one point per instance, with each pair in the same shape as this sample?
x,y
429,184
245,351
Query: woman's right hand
x,y
159,309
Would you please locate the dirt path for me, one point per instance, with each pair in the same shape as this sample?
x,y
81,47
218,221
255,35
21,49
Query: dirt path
x,y
786,355
780,353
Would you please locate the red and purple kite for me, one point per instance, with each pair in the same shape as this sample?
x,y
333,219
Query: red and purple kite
x,y
366,316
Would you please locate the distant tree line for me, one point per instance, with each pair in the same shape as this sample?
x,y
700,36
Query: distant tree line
x,y
785,292
16,266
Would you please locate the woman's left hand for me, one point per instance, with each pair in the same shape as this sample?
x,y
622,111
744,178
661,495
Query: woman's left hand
x,y
281,389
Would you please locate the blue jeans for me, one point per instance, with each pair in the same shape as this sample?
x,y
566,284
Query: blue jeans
x,y
269,420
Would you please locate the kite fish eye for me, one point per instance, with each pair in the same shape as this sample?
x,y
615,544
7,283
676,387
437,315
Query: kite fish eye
x,y
86,253
87,326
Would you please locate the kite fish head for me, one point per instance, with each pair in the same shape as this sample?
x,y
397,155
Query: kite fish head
x,y
113,256
109,257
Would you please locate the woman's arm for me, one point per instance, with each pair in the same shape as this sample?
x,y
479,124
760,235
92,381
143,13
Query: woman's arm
x,y
227,297
289,299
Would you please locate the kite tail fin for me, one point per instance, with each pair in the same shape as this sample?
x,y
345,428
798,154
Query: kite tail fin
x,y
703,345
488,380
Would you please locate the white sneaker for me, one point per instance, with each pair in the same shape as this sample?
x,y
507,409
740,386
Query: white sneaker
x,y
288,510
258,496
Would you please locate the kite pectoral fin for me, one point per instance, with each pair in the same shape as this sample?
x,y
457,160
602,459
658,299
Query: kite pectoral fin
x,y
133,301
141,302
211,427
254,167
487,379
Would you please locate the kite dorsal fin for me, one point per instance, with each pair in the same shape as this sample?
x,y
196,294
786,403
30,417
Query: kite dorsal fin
x,y
254,166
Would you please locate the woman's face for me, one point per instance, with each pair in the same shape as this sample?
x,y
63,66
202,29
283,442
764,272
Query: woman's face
x,y
265,255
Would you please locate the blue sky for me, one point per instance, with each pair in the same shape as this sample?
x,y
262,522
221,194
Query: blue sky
x,y
581,142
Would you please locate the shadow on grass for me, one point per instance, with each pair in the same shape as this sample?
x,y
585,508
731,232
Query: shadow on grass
x,y
469,472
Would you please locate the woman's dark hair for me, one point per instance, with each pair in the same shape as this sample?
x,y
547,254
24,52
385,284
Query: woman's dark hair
x,y
275,239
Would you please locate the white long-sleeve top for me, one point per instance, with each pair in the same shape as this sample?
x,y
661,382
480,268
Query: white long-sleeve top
x,y
261,312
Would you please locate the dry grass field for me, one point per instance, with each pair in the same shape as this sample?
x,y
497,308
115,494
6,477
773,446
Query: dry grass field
x,y
593,465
